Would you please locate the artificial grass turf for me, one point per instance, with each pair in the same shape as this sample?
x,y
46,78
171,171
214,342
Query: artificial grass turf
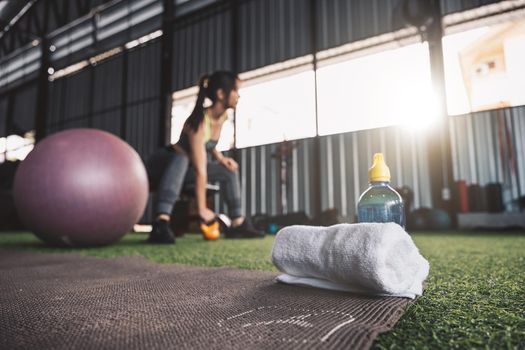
x,y
475,296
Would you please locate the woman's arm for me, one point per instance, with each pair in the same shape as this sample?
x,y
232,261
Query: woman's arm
x,y
198,158
217,155
228,162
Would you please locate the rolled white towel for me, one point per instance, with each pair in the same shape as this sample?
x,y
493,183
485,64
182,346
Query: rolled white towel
x,y
366,258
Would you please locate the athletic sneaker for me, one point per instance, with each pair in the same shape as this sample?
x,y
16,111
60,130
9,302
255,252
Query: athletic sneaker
x,y
161,233
244,230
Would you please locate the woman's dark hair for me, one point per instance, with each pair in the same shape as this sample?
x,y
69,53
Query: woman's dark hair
x,y
208,86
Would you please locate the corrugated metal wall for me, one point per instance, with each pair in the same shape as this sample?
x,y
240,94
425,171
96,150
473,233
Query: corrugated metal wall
x,y
119,95
58,10
23,112
77,93
200,47
451,6
17,109
268,31
20,67
4,104
337,10
110,26
342,21
345,159
107,95
489,147
143,90
69,105
272,31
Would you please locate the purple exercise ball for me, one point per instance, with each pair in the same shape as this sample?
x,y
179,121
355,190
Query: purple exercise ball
x,y
81,187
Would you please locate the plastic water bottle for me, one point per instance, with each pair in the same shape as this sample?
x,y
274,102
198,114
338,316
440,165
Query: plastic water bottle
x,y
380,202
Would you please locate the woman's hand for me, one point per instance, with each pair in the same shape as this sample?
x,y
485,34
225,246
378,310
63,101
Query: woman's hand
x,y
229,163
206,214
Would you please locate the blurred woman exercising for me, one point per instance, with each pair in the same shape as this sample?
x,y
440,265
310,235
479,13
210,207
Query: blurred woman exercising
x,y
194,159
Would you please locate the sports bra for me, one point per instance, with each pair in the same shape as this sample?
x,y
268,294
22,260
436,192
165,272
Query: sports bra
x,y
209,144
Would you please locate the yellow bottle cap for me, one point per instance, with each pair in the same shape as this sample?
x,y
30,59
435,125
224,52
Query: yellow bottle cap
x,y
379,170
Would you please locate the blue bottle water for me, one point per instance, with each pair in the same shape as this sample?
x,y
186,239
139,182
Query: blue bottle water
x,y
380,202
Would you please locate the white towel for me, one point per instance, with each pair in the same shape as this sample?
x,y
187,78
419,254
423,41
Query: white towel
x,y
366,258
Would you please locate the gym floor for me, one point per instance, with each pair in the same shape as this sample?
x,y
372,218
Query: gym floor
x,y
475,294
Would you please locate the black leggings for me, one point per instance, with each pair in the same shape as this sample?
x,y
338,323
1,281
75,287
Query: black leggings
x,y
169,171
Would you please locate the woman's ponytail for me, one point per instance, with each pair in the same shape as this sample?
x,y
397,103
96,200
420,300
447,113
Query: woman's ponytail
x,y
208,87
197,115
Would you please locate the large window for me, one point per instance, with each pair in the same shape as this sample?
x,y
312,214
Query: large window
x,y
485,67
386,88
275,110
15,147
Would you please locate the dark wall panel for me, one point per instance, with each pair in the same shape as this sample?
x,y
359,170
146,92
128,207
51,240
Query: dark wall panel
x,y
74,123
143,73
109,121
142,111
97,97
142,127
451,6
4,100
107,95
24,109
77,97
341,21
56,105
107,88
269,31
143,89
201,47
272,31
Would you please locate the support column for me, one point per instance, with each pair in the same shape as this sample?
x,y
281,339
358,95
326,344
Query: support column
x,y
124,96
166,58
9,117
439,156
235,64
91,87
316,183
41,111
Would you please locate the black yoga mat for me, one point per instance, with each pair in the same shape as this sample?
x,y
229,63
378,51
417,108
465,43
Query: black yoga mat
x,y
69,301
